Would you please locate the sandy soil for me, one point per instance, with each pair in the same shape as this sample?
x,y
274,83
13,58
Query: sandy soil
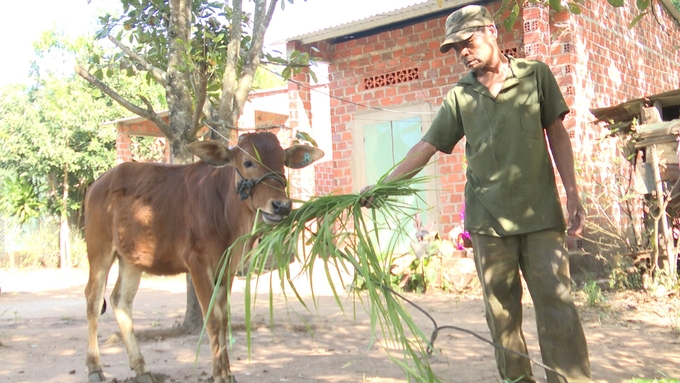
x,y
43,335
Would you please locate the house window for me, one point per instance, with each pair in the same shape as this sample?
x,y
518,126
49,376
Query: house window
x,y
386,144
380,140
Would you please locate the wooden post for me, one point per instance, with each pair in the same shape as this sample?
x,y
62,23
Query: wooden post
x,y
673,257
649,115
661,203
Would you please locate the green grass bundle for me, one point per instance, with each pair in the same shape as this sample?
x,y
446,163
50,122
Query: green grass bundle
x,y
336,230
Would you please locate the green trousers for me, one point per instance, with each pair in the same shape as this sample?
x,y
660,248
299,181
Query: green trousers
x,y
543,259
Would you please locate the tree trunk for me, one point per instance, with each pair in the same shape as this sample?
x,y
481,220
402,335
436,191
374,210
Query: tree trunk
x,y
193,317
180,106
64,234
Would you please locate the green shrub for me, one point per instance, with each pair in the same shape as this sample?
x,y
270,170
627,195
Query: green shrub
x,y
624,274
593,293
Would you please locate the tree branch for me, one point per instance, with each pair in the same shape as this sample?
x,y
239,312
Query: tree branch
x,y
158,74
285,64
226,110
146,102
149,114
200,90
179,85
261,19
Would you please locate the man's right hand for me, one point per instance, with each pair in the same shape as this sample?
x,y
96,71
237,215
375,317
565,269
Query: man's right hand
x,y
416,158
367,201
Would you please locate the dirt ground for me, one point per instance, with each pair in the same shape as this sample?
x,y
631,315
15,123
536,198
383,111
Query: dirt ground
x,y
43,335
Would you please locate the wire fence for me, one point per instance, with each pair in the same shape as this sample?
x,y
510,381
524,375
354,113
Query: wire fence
x,y
36,244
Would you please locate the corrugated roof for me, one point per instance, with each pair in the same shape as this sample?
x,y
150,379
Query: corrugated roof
x,y
390,13
630,109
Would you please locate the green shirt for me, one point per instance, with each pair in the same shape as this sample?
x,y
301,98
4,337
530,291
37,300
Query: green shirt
x,y
510,185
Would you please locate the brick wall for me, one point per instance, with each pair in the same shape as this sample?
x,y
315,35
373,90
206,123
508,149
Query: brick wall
x,y
607,63
124,143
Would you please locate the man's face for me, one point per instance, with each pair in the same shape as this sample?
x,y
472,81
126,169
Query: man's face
x,y
476,52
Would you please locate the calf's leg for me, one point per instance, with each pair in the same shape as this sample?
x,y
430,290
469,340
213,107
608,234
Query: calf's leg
x,y
100,260
215,325
121,299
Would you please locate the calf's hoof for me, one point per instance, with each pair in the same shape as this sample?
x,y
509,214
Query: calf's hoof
x,y
96,376
146,377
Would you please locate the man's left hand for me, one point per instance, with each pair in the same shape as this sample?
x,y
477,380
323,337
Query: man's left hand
x,y
577,216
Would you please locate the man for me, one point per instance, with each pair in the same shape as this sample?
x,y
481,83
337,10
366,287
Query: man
x,y
505,107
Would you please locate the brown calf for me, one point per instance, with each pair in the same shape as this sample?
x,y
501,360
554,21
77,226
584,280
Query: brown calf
x,y
169,219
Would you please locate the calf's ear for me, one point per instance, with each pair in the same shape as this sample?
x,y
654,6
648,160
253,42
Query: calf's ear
x,y
213,152
299,156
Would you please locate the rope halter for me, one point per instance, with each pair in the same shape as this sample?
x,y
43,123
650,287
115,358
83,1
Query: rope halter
x,y
246,185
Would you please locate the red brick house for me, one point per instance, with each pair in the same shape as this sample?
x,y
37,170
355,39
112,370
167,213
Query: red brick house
x,y
387,79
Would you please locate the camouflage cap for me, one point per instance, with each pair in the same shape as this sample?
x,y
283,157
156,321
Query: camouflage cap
x,y
462,23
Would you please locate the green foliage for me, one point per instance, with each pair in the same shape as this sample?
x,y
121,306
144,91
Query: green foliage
x,y
147,149
676,3
662,280
660,380
417,270
510,8
144,26
593,293
294,64
623,274
52,132
302,138
19,199
268,79
423,274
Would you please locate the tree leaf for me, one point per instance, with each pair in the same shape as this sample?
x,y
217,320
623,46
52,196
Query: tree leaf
x,y
574,8
555,4
637,19
306,137
616,3
515,11
642,5
286,73
509,21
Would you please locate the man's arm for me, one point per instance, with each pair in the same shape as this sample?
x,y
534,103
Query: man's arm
x,y
416,158
560,146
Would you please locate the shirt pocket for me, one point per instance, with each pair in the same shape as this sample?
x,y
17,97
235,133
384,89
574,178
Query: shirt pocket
x,y
530,121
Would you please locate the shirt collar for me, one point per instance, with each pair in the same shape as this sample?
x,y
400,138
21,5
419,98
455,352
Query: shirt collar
x,y
518,69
